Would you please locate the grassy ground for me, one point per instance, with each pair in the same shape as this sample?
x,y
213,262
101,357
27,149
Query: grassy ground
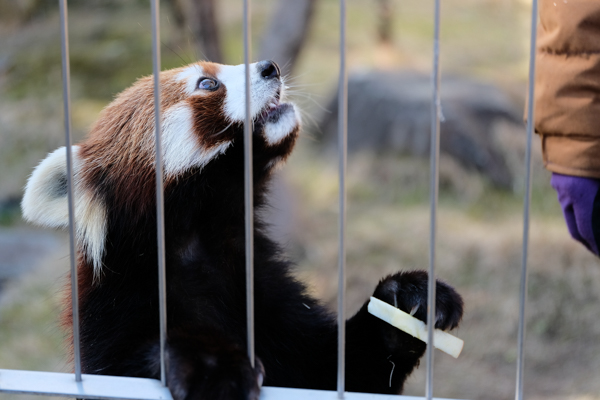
x,y
480,230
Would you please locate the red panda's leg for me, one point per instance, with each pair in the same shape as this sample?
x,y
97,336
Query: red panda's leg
x,y
203,364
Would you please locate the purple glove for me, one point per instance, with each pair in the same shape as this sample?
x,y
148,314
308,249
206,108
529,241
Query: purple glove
x,y
581,207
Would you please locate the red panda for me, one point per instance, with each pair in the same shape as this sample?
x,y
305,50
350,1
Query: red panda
x,y
202,132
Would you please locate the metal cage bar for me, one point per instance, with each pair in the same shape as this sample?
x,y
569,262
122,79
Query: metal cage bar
x,y
342,154
66,80
90,387
433,198
248,191
526,205
160,206
122,388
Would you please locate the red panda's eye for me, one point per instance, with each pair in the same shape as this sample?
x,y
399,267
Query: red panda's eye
x,y
207,84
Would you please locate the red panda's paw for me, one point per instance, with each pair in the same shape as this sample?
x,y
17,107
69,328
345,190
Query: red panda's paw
x,y
380,357
211,369
408,292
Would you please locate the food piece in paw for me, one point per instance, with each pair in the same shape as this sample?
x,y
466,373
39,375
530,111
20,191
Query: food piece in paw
x,y
407,323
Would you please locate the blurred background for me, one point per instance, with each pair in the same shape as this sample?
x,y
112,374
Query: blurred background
x,y
484,58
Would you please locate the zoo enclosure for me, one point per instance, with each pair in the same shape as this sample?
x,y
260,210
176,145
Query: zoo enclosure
x,y
91,386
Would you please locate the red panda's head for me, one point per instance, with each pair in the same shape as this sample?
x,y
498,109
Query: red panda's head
x,y
203,112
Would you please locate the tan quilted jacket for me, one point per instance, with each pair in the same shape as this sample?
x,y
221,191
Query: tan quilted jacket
x,y
567,86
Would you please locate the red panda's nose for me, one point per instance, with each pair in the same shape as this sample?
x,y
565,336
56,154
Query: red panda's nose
x,y
269,69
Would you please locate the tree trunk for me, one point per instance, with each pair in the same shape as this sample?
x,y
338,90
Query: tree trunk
x,y
285,36
200,16
385,22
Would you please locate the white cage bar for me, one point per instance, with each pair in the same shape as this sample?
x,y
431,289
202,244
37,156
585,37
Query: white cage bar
x,y
342,155
434,172
111,387
248,191
66,76
526,205
160,209
117,387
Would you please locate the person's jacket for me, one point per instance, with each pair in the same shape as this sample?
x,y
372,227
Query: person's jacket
x,y
567,86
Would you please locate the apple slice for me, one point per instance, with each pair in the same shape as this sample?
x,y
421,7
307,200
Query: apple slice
x,y
407,323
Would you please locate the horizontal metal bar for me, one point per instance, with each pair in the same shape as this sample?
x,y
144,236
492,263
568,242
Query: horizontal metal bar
x,y
91,386
276,393
117,387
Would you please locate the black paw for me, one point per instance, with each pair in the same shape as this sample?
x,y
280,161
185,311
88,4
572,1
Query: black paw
x,y
214,370
408,292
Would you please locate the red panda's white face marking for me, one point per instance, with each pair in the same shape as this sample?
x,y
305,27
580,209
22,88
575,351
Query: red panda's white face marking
x,y
224,86
264,91
180,144
232,77
203,112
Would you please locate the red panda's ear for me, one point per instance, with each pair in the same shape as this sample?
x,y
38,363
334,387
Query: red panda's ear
x,y
45,199
45,202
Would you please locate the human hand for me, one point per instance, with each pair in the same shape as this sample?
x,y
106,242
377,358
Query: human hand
x,y
578,197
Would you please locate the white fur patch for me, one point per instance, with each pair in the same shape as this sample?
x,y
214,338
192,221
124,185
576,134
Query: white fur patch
x,y
45,203
234,79
287,122
190,76
263,91
182,149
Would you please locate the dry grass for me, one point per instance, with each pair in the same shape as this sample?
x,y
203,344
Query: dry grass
x,y
479,252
